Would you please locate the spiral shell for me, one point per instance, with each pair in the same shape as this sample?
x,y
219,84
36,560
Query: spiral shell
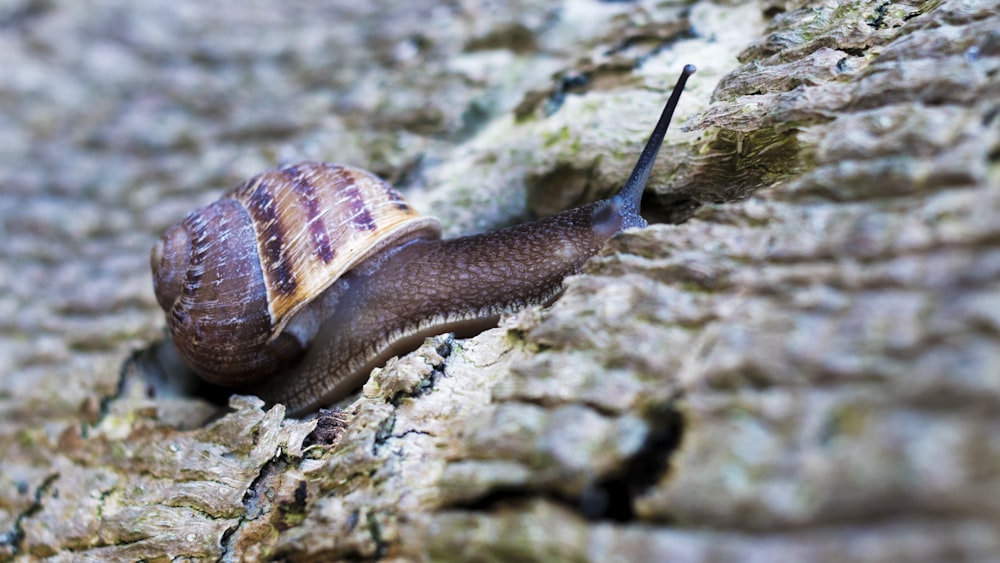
x,y
234,273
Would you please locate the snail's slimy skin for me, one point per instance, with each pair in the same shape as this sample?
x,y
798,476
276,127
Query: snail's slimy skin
x,y
431,287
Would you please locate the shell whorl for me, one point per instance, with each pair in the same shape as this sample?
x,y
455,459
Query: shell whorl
x,y
234,273
315,221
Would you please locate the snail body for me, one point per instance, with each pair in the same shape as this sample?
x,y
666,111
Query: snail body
x,y
297,283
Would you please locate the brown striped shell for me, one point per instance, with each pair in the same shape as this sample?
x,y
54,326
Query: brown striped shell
x,y
235,272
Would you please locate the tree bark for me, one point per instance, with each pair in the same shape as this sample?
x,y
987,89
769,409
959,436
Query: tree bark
x,y
799,359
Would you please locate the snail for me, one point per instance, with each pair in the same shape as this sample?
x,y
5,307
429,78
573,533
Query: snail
x,y
297,283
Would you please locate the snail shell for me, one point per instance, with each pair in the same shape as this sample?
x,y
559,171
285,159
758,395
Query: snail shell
x,y
233,274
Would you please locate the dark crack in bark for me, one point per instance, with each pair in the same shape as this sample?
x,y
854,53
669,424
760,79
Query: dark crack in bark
x,y
10,542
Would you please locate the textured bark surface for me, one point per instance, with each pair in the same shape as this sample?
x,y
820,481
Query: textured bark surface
x,y
800,361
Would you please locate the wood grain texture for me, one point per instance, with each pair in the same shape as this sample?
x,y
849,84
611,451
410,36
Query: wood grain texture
x,y
804,368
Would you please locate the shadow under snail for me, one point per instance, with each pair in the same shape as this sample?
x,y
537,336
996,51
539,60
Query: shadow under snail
x,y
298,282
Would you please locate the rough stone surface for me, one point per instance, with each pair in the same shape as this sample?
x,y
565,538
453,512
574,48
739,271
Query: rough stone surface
x,y
801,361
